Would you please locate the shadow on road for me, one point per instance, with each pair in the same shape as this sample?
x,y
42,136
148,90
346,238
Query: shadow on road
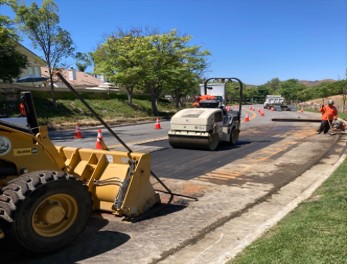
x,y
159,211
90,243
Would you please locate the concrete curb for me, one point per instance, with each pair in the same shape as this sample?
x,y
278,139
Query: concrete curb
x,y
284,211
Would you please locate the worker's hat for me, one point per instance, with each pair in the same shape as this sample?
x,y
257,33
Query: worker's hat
x,y
331,102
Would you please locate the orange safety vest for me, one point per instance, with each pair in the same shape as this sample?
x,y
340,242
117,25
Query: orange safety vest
x,y
328,112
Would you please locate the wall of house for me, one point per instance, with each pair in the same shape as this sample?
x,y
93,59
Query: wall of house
x,y
31,70
35,62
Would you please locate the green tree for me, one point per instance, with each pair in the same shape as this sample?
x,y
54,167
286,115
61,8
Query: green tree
x,y
263,91
232,92
290,89
172,59
305,94
180,66
41,26
186,84
337,87
83,60
154,63
122,59
274,85
251,94
12,62
322,90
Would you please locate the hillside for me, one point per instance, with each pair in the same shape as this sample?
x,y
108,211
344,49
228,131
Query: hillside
x,y
316,103
305,82
313,83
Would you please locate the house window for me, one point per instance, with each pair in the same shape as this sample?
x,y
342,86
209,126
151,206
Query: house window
x,y
34,70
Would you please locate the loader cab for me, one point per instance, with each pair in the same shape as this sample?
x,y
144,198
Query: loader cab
x,y
18,123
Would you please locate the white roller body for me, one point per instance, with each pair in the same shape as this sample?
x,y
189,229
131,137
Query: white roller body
x,y
197,121
201,128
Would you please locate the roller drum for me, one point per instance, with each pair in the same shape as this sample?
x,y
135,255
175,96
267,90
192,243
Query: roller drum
x,y
206,143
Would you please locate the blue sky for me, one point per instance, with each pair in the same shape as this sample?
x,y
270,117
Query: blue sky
x,y
254,40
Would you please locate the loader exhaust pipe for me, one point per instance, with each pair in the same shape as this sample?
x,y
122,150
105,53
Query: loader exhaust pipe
x,y
27,100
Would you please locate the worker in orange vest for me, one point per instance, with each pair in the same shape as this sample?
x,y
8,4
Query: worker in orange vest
x,y
329,113
196,101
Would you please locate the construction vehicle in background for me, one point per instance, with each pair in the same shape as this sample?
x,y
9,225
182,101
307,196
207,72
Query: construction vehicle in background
x,y
276,102
47,191
210,123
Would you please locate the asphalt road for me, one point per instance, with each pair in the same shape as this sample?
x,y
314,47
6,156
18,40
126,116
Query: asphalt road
x,y
225,183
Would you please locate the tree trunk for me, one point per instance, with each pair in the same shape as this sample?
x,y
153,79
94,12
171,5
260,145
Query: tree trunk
x,y
154,103
177,100
130,97
52,88
344,95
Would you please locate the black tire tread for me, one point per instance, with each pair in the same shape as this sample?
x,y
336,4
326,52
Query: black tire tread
x,y
21,187
17,190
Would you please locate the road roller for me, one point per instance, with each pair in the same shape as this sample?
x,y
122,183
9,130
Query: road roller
x,y
208,124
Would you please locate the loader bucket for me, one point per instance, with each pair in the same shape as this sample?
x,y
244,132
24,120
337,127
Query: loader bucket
x,y
118,181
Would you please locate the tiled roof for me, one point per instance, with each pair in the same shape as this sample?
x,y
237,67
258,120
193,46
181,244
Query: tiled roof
x,y
76,78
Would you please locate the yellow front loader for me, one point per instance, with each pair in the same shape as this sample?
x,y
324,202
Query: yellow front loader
x,y
47,192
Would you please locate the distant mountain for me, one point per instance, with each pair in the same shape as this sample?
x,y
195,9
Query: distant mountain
x,y
305,82
313,83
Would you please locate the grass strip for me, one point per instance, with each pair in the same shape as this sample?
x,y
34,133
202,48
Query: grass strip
x,y
315,232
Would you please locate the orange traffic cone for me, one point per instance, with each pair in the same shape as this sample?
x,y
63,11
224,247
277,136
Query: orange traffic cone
x,y
261,113
157,124
78,133
100,142
246,118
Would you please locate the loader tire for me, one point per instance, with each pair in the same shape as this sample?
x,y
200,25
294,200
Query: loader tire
x,y
46,210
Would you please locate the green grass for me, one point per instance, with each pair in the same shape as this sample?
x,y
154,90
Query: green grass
x,y
315,232
341,115
112,108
